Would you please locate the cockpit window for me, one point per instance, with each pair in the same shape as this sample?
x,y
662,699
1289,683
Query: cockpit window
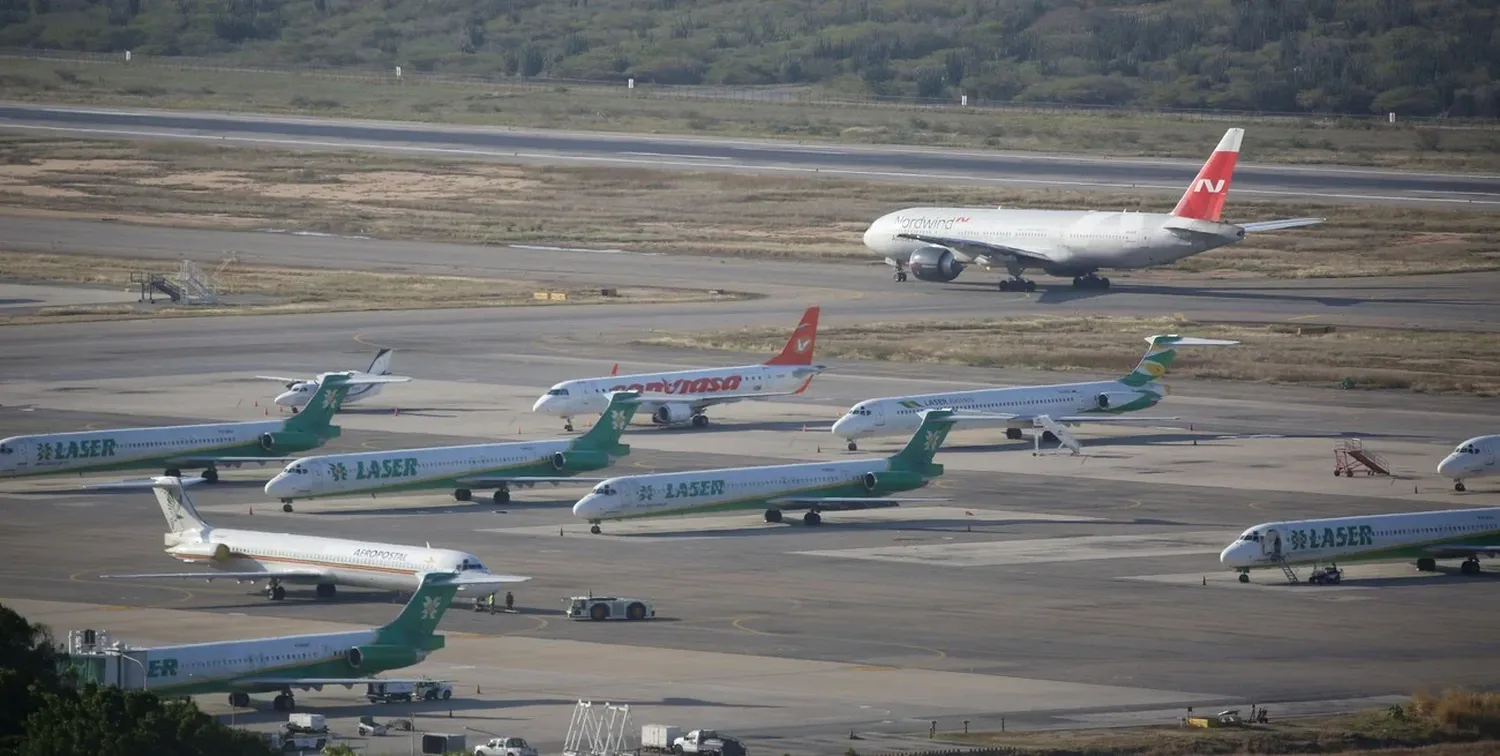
x,y
558,392
4,449
1251,536
604,489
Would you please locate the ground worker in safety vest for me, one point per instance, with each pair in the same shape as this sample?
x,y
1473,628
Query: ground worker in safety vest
x,y
492,603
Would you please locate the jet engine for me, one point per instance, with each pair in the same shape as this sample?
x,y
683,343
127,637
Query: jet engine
x,y
672,414
580,459
934,264
282,443
889,482
216,551
382,657
1113,400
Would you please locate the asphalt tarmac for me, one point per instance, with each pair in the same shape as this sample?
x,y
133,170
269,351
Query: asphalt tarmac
x,y
1324,183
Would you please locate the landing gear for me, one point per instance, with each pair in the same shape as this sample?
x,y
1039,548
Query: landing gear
x,y
1014,434
595,529
294,410
1470,566
1090,281
1459,486
899,276
812,519
239,700
211,475
853,446
463,494
502,496
327,590
276,591
1244,576
773,516
1426,564
174,472
286,505
1017,284
700,421
568,424
284,702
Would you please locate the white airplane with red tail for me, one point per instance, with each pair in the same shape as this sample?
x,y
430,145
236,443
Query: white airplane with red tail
x,y
682,396
937,243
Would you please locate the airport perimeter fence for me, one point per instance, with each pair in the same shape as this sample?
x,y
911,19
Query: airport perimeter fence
x,y
788,95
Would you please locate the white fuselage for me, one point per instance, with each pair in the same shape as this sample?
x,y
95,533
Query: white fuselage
x,y
359,564
1475,458
335,474
56,452
1391,536
301,392
210,665
723,489
586,396
901,415
1078,241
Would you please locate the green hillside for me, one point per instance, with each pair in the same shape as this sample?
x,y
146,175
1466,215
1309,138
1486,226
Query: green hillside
x,y
1415,57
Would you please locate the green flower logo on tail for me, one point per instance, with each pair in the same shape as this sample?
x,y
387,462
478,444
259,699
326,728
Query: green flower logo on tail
x,y
617,419
430,607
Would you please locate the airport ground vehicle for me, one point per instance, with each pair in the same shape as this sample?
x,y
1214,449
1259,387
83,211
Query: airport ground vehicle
x,y
657,738
1326,576
599,608
302,722
505,746
383,692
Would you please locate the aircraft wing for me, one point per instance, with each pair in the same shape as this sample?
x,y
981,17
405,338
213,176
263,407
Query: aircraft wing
x,y
278,574
1459,549
138,483
980,249
306,683
486,481
844,503
980,418
280,379
201,458
1277,225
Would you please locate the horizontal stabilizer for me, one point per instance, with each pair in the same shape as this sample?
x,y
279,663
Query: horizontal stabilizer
x,y
1178,341
1277,225
470,578
278,574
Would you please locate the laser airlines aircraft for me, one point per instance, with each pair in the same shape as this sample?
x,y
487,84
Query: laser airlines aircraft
x,y
277,558
300,390
1421,536
1019,407
937,243
281,663
1475,458
682,396
179,447
462,468
816,486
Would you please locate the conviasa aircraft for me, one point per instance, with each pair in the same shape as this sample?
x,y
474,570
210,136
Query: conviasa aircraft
x,y
816,486
277,558
1020,407
179,447
300,390
1474,458
462,468
937,243
281,663
682,396
1421,536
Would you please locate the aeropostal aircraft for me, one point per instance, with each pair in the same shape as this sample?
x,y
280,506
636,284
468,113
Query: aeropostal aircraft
x,y
178,447
1424,537
1475,458
937,243
300,390
817,487
282,663
1049,408
462,468
682,396
278,558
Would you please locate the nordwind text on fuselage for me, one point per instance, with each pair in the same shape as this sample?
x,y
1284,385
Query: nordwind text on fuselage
x,y
919,223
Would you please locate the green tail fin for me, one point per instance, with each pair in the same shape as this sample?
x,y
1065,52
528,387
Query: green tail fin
x,y
919,450
1161,353
317,416
421,615
605,435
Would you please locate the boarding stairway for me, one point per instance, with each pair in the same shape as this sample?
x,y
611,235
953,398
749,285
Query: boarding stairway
x,y
1291,574
190,285
1350,455
153,283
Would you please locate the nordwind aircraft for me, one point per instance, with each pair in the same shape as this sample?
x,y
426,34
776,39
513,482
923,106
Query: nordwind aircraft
x,y
682,396
1475,458
1021,407
300,390
462,468
815,486
937,243
178,447
1423,537
282,663
281,558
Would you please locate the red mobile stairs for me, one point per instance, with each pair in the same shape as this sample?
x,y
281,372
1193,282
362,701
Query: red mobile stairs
x,y
1350,454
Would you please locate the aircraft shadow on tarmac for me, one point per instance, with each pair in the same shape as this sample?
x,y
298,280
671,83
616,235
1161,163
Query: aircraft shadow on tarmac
x,y
1064,293
1450,577
793,526
737,426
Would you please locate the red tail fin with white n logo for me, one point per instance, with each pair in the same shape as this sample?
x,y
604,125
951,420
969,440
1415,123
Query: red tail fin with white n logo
x,y
1204,199
799,348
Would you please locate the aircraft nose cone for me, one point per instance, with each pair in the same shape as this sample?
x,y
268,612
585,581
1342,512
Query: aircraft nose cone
x,y
1233,555
844,426
541,403
1448,468
276,485
584,507
287,399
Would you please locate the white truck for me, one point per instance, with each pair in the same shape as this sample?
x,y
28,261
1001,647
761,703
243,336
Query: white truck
x,y
600,608
505,747
657,738
427,690
306,723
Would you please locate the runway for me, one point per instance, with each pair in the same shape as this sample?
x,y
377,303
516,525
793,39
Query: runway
x,y
1324,184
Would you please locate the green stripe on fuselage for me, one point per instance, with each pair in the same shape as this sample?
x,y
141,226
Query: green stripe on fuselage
x,y
236,449
1392,553
844,488
535,468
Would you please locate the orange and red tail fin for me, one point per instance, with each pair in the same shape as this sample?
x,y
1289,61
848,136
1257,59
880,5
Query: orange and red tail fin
x,y
615,370
1205,197
799,348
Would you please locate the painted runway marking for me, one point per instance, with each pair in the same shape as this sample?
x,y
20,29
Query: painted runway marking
x,y
997,553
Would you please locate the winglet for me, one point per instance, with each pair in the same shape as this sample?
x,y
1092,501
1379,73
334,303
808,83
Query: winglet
x,y
799,348
1204,199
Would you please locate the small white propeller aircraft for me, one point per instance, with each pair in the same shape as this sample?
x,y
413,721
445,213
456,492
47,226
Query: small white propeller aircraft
x,y
300,390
